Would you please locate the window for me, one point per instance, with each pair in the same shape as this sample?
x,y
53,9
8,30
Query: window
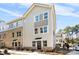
x,y
41,30
36,18
12,34
45,29
18,43
15,43
45,43
46,16
11,26
36,30
18,33
33,43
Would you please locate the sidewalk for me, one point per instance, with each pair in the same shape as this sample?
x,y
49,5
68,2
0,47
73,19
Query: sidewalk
x,y
14,52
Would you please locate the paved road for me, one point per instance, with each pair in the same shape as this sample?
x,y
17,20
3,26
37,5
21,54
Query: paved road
x,y
73,53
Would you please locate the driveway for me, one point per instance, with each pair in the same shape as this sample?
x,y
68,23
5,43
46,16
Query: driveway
x,y
73,53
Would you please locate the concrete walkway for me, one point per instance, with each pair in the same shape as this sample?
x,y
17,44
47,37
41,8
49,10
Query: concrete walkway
x,y
14,52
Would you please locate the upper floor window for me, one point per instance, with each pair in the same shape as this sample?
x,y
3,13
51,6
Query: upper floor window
x,y
12,34
46,16
18,33
11,26
45,29
36,18
41,30
36,30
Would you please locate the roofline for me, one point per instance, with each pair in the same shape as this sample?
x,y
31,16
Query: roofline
x,y
11,29
36,4
28,11
15,20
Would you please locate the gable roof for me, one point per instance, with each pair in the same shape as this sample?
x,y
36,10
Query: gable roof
x,y
36,4
15,20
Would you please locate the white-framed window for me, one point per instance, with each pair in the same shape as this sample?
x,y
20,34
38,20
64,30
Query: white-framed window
x,y
36,30
45,15
41,30
45,29
11,25
36,18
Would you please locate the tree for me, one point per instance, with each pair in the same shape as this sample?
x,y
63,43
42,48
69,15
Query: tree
x,y
67,31
76,29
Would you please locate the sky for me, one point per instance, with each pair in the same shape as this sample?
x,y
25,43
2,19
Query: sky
x,y
67,14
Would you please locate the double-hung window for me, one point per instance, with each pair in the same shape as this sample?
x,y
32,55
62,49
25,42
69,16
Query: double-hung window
x,y
46,16
36,18
41,30
36,30
11,26
45,29
18,33
13,34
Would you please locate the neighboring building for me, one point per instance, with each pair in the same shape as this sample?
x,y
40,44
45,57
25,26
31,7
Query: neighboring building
x,y
37,30
60,38
78,35
11,36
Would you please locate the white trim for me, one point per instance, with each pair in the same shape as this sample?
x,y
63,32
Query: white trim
x,y
45,12
35,18
43,29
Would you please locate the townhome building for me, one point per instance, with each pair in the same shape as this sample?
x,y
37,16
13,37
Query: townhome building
x,y
37,29
11,35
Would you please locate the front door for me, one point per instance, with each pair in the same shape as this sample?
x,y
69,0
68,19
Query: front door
x,y
38,45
